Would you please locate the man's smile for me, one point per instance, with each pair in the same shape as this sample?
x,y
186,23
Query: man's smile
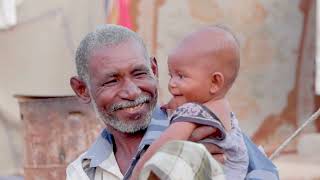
x,y
133,109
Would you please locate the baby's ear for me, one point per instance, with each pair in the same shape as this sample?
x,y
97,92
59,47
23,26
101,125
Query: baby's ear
x,y
217,82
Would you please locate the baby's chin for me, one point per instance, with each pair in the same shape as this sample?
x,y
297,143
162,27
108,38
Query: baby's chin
x,y
180,99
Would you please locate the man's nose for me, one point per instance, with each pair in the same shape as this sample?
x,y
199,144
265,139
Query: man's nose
x,y
130,91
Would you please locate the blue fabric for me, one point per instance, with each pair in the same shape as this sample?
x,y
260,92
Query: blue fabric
x,y
260,166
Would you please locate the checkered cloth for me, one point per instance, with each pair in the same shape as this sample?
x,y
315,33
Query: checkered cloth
x,y
182,160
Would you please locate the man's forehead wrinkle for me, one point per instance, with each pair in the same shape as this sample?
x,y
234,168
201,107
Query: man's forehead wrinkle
x,y
110,66
105,49
97,43
98,48
117,60
140,67
111,73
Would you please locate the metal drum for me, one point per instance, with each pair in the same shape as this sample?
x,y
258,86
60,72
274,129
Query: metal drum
x,y
56,131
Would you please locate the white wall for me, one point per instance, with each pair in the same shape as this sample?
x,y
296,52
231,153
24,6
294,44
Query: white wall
x,y
37,59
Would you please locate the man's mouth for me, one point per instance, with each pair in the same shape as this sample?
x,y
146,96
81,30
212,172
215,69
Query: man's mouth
x,y
133,109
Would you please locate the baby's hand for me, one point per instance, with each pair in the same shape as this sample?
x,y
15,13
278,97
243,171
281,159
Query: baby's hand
x,y
173,104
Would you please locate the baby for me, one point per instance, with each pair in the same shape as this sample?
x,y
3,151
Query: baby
x,y
202,69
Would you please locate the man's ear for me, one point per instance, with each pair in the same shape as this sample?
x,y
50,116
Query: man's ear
x,y
217,82
81,89
154,66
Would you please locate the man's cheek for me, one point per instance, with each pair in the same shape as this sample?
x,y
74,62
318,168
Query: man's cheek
x,y
150,87
103,108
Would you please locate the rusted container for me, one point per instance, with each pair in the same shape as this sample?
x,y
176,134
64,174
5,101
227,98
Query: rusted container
x,y
56,131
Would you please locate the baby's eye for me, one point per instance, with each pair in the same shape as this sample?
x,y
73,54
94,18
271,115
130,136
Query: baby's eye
x,y
181,76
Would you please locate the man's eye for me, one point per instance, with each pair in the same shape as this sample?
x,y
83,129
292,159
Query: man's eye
x,y
110,82
138,74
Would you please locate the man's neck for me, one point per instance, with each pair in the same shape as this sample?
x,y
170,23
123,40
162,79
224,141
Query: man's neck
x,y
128,143
126,147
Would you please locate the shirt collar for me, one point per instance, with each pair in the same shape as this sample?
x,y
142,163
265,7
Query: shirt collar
x,y
100,150
158,124
103,146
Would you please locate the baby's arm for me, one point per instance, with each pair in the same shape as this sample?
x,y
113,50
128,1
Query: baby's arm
x,y
176,131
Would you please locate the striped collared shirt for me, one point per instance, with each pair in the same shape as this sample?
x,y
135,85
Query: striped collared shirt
x,y
99,162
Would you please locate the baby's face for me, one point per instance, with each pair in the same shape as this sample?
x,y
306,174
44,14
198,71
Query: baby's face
x,y
189,79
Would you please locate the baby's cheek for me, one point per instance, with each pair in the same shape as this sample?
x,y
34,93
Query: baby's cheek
x,y
179,100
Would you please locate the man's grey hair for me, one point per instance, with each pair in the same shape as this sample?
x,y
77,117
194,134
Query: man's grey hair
x,y
104,35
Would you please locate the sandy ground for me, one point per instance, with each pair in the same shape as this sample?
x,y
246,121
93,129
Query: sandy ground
x,y
297,167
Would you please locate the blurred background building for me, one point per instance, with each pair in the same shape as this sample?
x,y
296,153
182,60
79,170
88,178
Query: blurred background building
x,y
273,95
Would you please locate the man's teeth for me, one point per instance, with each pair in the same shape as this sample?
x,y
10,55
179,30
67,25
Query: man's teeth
x,y
131,109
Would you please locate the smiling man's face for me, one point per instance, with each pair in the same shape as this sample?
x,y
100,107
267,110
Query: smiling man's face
x,y
123,86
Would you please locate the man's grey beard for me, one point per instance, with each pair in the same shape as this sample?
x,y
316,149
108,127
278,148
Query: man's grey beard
x,y
127,126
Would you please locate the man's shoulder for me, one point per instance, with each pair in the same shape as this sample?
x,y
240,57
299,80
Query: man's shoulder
x,y
95,155
159,114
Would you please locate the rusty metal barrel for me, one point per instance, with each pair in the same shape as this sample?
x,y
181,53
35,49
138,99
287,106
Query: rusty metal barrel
x,y
56,131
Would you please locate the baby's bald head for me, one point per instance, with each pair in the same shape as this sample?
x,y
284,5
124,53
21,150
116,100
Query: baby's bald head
x,y
214,48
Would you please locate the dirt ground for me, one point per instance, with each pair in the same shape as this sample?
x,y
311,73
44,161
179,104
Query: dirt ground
x,y
297,167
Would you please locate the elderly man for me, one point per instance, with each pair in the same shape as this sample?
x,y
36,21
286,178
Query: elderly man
x,y
116,75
